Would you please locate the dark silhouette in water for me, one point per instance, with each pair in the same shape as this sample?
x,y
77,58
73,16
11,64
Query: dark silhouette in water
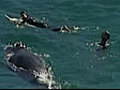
x,y
19,58
25,59
26,19
104,39
65,29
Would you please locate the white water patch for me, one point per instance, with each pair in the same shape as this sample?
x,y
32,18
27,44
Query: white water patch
x,y
96,44
47,78
88,28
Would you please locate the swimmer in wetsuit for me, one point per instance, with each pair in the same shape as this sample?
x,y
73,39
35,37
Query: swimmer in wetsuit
x,y
29,20
105,37
26,19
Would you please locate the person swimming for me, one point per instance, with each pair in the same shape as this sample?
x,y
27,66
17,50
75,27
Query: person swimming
x,y
24,16
105,38
29,20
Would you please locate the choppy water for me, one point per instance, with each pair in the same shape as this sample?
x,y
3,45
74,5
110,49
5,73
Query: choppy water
x,y
73,57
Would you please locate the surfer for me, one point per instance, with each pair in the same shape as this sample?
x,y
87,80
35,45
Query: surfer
x,y
26,20
30,20
105,38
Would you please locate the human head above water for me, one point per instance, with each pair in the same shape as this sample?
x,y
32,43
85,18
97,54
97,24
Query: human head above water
x,y
106,35
24,14
107,32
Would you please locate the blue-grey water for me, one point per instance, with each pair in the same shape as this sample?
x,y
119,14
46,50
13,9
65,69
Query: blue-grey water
x,y
74,58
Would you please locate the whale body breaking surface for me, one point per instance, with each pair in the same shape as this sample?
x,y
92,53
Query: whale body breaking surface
x,y
19,58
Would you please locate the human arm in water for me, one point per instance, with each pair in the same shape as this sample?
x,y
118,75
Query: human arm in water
x,y
105,38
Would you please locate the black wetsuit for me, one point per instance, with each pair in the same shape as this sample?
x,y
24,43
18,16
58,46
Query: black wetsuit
x,y
34,22
61,28
56,29
105,37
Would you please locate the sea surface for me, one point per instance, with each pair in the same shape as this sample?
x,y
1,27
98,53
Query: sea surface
x,y
77,61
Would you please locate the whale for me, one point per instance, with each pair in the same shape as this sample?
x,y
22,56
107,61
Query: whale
x,y
19,59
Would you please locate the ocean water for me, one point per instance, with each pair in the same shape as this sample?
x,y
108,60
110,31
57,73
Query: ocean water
x,y
76,60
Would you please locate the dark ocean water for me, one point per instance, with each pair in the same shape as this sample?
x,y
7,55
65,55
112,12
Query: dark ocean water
x,y
74,57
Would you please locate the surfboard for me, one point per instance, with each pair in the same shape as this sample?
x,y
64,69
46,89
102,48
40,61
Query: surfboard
x,y
17,21
14,20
